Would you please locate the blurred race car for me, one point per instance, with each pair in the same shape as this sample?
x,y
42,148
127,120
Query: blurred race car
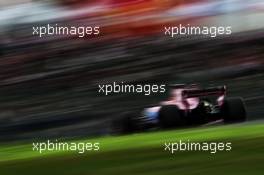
x,y
188,105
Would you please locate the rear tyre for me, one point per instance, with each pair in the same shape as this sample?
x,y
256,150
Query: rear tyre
x,y
233,110
170,116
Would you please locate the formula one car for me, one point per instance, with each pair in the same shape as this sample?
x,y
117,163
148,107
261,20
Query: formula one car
x,y
188,105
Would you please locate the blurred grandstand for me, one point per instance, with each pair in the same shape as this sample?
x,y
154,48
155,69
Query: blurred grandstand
x,y
49,86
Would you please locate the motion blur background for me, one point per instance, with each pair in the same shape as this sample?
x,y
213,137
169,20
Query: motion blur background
x,y
49,85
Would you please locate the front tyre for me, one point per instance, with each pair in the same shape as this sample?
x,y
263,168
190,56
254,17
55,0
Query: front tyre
x,y
170,116
126,124
234,110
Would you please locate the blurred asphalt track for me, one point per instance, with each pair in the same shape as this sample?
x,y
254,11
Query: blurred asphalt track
x,y
54,93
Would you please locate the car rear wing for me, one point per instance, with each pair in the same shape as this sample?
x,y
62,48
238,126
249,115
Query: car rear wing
x,y
212,91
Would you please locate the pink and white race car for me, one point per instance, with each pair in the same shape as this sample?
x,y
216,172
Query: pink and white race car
x,y
188,105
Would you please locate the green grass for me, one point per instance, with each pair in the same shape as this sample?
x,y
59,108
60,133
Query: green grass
x,y
144,154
